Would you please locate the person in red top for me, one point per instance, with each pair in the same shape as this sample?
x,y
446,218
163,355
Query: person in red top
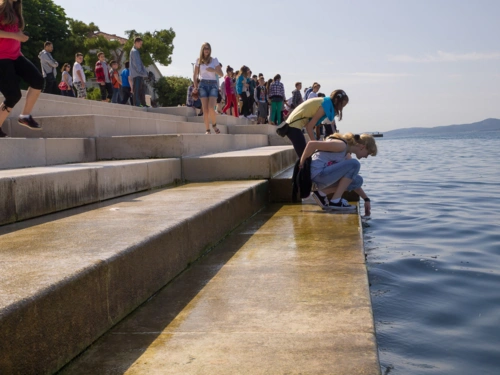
x,y
13,65
103,76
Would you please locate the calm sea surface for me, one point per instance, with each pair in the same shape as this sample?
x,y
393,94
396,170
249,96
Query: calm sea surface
x,y
433,253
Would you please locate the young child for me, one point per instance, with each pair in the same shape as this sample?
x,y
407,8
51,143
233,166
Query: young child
x,y
261,98
13,65
333,170
310,114
103,77
116,81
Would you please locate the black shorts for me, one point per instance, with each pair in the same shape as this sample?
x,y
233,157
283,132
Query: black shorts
x,y
11,71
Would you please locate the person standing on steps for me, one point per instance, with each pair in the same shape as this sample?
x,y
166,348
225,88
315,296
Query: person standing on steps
x,y
206,68
126,85
49,66
13,65
79,77
66,85
310,114
138,72
103,77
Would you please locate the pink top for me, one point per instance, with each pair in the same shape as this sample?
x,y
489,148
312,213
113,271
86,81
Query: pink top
x,y
229,85
10,49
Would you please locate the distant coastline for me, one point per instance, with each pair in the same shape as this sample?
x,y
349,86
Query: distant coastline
x,y
491,124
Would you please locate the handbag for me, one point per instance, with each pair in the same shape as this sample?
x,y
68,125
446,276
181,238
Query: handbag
x,y
282,129
63,86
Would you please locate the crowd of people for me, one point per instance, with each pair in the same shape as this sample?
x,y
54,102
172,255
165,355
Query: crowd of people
x,y
333,170
122,87
119,87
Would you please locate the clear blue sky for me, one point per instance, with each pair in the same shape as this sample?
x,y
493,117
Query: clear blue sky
x,y
402,63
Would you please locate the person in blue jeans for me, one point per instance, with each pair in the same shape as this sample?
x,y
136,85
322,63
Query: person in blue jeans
x,y
333,170
207,89
138,72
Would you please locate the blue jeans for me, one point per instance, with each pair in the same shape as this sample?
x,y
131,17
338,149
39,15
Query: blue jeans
x,y
139,94
208,89
331,174
116,98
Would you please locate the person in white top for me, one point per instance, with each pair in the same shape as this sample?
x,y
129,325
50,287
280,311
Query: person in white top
x,y
314,92
79,77
206,68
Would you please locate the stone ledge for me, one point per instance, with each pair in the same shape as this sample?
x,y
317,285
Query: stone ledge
x,y
31,192
256,163
65,282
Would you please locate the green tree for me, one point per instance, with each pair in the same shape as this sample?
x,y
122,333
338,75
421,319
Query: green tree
x,y
44,21
98,43
172,90
157,46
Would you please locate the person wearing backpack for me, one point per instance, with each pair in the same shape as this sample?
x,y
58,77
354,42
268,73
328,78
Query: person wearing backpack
x,y
333,170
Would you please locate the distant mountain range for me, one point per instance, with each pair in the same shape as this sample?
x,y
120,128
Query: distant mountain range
x,y
481,126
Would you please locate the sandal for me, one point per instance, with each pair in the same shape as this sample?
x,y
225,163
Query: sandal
x,y
208,131
216,129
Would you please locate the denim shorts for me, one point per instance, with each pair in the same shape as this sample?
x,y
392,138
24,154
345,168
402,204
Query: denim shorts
x,y
208,88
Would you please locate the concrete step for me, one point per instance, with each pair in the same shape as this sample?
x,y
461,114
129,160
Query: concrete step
x,y
30,192
36,152
191,116
83,126
58,105
256,163
66,280
177,146
285,293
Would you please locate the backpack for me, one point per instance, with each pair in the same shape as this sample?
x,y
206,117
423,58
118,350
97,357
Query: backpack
x,y
301,180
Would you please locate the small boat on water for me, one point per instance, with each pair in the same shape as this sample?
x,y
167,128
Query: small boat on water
x,y
377,134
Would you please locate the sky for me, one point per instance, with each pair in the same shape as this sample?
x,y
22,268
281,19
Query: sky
x,y
402,63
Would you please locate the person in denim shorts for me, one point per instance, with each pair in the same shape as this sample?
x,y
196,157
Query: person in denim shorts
x,y
205,69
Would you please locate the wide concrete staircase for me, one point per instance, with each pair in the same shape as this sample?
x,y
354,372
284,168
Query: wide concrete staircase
x,y
59,289
107,205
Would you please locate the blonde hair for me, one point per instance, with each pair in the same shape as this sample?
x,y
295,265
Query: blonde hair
x,y
202,60
366,140
12,13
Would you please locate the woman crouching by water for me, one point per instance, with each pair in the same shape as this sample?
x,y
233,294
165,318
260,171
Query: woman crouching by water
x,y
333,170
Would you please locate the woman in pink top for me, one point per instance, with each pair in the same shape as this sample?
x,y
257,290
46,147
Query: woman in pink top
x,y
13,65
230,92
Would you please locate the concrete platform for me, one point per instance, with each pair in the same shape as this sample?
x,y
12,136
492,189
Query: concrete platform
x,y
36,152
176,146
84,126
30,192
256,163
67,279
281,295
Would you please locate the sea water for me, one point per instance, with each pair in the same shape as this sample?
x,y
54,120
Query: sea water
x,y
433,253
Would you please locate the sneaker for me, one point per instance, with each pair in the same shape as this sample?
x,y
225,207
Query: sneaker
x,y
321,201
29,123
2,134
341,205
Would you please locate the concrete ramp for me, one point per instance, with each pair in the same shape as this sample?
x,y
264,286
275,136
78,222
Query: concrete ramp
x,y
286,293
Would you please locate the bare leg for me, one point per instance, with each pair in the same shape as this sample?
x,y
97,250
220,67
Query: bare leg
x,y
31,98
4,113
204,105
212,101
